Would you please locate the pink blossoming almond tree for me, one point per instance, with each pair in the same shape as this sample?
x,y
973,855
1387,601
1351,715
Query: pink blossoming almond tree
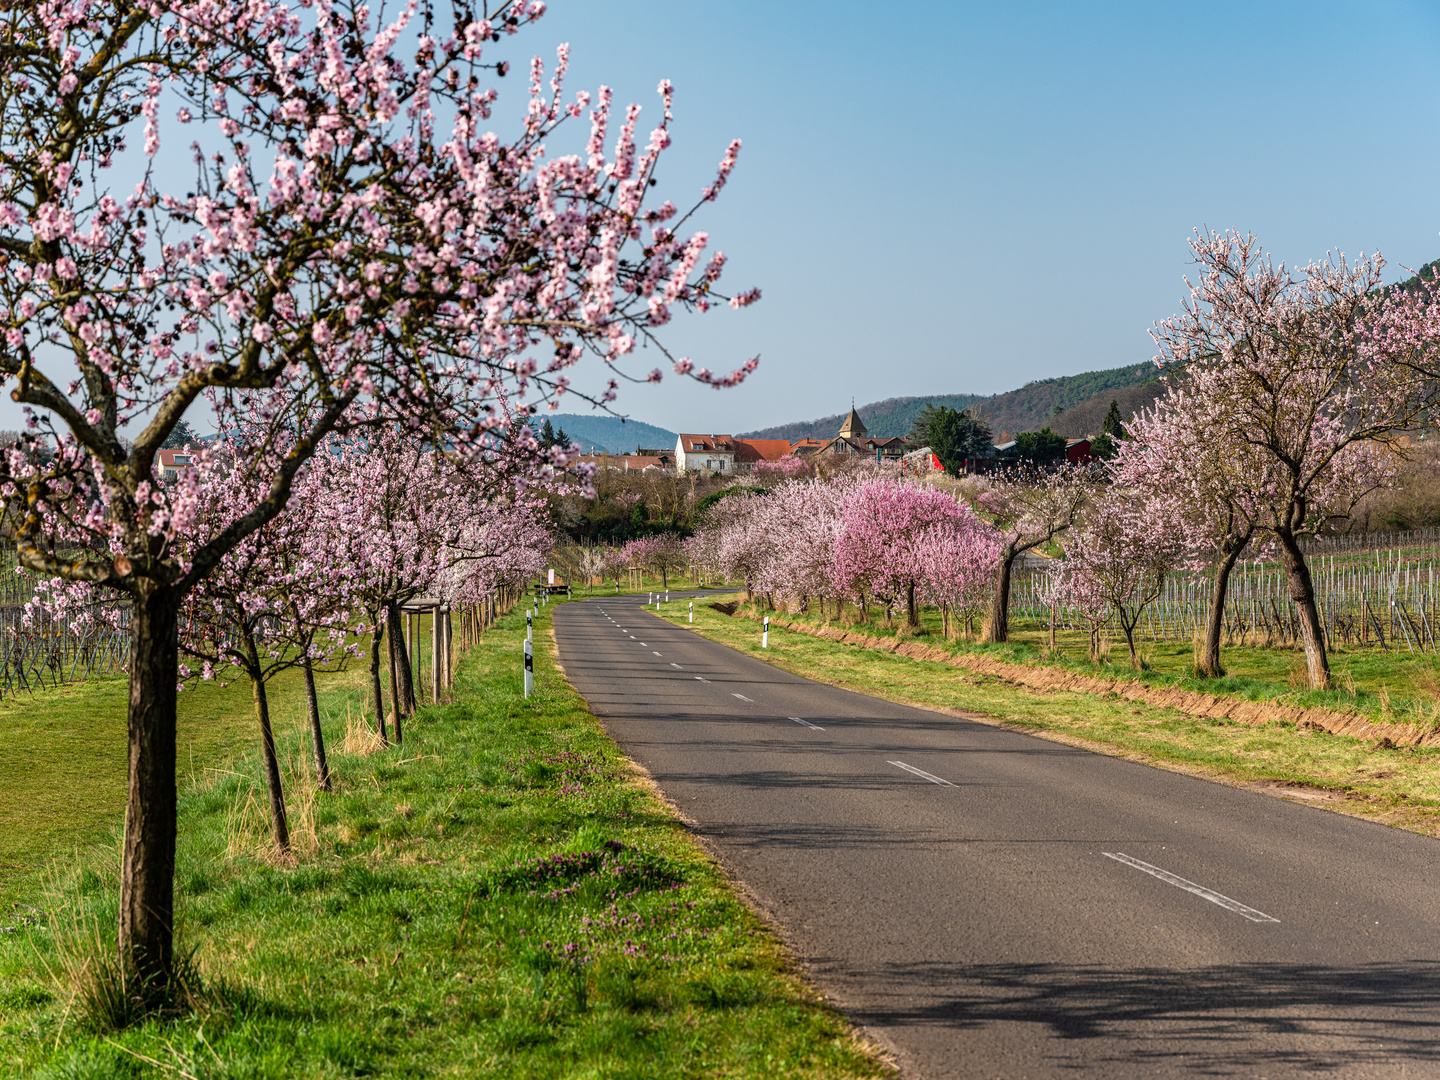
x,y
351,231
1303,379
890,529
1027,508
270,604
1119,555
1172,452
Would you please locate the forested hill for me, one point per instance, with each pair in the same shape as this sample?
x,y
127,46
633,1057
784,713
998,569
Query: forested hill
x,y
609,434
1026,409
880,418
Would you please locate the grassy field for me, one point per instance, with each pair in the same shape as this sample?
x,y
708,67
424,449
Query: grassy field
x,y
499,896
1400,786
62,777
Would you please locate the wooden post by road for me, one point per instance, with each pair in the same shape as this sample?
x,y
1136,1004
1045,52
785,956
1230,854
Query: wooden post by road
x,y
435,652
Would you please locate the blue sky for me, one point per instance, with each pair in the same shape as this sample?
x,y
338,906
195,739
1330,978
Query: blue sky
x,y
949,198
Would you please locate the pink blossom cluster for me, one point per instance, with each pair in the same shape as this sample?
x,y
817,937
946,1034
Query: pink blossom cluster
x,y
855,538
661,554
1118,556
353,231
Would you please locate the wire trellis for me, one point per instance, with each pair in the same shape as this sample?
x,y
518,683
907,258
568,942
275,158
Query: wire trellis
x,y
45,651
1385,597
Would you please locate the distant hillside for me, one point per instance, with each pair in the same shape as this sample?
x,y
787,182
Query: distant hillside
x,y
609,434
1084,420
1027,409
883,418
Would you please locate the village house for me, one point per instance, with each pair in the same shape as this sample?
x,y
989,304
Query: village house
x,y
705,453
173,461
725,454
853,440
648,461
920,462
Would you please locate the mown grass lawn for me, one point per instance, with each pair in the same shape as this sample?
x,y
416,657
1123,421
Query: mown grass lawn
x,y
1400,786
499,896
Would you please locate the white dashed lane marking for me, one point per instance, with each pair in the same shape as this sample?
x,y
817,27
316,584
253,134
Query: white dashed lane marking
x,y
1189,886
920,773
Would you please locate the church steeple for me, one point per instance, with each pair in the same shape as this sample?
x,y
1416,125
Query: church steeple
x,y
854,427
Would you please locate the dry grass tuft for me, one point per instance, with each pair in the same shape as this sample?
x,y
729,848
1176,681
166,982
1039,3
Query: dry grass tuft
x,y
360,736
247,827
103,994
1298,676
300,808
1347,683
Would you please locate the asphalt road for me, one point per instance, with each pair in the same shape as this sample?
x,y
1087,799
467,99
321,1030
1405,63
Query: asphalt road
x,y
971,897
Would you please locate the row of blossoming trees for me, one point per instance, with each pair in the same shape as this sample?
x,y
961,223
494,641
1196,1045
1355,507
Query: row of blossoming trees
x,y
375,522
1288,396
351,250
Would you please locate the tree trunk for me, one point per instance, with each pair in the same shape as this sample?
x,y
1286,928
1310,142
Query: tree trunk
x,y
1302,591
1207,660
390,650
376,694
317,737
147,869
912,617
279,826
1129,629
396,630
998,628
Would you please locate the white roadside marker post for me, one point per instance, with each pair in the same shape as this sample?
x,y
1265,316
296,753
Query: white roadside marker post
x,y
529,627
765,637
692,610
529,668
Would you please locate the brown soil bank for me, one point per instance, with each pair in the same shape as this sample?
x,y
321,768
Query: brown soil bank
x,y
1214,706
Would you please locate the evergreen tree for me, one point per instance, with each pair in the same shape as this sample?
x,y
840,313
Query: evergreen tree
x,y
1113,425
919,433
957,437
182,435
1112,430
549,436
1041,447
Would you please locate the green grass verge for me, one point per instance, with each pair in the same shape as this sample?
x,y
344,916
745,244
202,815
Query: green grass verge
x,y
1388,687
1399,786
500,896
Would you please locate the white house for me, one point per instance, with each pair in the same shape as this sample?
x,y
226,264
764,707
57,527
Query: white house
x,y
705,453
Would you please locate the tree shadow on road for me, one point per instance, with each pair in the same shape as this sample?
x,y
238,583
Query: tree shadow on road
x,y
1216,1020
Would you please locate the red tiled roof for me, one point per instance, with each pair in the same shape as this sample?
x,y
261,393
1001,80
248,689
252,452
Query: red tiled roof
x,y
176,459
753,450
632,462
713,443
